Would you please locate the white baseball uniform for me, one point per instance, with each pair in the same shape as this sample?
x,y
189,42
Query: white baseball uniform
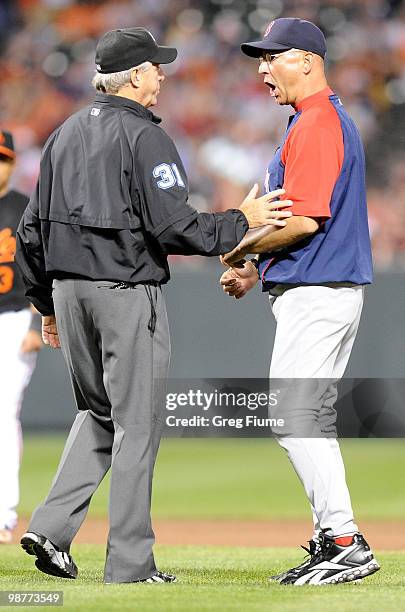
x,y
316,329
15,367
316,288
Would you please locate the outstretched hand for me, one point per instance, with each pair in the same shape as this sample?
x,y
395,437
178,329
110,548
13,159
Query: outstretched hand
x,y
263,210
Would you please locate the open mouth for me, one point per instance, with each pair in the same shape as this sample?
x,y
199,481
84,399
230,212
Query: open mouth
x,y
272,88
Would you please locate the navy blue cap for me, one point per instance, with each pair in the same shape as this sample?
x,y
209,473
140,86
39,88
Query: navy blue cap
x,y
7,144
123,49
288,33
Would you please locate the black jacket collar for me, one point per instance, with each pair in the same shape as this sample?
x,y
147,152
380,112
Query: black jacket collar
x,y
120,102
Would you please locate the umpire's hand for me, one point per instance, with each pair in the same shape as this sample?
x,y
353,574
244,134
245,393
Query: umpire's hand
x,y
50,331
262,211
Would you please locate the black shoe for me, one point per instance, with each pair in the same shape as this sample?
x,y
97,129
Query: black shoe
x,y
335,563
159,577
314,548
50,559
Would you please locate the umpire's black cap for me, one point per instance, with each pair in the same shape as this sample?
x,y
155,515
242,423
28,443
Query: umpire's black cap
x,y
7,144
123,49
288,33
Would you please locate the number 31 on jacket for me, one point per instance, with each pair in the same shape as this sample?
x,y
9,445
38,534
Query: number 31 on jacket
x,y
169,175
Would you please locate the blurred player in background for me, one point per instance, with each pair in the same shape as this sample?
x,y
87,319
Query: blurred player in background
x,y
20,340
314,270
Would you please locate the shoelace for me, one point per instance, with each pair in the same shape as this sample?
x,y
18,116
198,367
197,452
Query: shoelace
x,y
313,551
316,548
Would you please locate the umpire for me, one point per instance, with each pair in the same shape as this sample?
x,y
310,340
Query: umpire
x,y
110,205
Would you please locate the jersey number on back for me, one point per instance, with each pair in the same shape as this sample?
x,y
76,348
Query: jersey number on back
x,y
7,252
169,175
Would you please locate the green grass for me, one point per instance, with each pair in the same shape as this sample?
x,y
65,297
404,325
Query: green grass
x,y
222,478
236,478
208,579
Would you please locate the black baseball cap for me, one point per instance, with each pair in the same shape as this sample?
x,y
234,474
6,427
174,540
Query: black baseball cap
x,y
288,33
7,144
122,49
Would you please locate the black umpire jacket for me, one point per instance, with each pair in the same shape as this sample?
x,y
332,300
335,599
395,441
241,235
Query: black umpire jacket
x,y
111,204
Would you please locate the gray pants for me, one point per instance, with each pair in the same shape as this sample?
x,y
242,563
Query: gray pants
x,y
117,367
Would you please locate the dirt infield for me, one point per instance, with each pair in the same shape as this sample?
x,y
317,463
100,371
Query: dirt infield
x,y
381,534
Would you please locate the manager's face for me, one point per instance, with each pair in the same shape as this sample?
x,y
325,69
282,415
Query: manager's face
x,y
282,73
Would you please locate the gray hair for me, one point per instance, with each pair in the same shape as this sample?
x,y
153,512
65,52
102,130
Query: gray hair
x,y
112,83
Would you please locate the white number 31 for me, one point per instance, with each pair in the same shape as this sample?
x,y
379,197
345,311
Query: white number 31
x,y
169,175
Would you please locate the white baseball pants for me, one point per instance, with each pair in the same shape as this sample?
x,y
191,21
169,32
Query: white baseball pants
x,y
316,329
15,373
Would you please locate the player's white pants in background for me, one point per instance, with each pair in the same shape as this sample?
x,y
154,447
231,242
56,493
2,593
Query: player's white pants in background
x,y
316,329
15,373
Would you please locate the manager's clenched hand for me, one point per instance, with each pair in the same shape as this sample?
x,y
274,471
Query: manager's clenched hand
x,y
236,282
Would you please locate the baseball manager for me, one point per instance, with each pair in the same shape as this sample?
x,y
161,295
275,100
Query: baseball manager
x,y
314,270
110,205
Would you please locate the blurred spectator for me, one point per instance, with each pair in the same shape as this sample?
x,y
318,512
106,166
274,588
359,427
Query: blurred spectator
x,y
215,105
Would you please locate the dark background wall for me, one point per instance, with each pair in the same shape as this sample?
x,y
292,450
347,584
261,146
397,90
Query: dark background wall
x,y
214,336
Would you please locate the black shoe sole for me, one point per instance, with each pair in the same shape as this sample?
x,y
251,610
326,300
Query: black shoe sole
x,y
50,571
43,562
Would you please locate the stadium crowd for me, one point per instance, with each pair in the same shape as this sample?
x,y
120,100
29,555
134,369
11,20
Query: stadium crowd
x,y
213,103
